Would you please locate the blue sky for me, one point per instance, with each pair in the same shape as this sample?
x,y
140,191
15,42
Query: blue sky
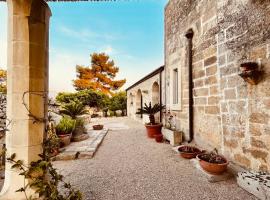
x,y
131,32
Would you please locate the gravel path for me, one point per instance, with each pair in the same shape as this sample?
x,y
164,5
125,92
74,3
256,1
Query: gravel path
x,y
129,166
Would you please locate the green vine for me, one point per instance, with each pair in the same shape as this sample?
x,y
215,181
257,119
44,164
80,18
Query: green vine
x,y
43,177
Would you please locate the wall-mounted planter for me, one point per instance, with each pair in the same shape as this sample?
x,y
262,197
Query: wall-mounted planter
x,y
250,73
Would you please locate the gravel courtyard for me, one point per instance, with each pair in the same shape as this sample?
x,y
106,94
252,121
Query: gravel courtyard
x,y
129,166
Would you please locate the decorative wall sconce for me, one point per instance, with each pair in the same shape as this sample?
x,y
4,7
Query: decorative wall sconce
x,y
251,73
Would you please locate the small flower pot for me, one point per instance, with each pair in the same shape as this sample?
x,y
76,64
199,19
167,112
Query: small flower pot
x,y
159,138
64,139
98,127
153,130
213,168
189,152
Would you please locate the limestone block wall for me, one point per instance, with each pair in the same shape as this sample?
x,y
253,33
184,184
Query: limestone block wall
x,y
3,105
229,114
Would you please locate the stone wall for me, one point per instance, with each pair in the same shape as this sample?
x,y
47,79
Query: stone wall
x,y
229,114
3,104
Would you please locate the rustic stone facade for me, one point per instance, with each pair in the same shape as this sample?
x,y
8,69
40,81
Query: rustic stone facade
x,y
229,113
3,105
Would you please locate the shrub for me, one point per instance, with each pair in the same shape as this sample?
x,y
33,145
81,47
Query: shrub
x,y
73,109
65,126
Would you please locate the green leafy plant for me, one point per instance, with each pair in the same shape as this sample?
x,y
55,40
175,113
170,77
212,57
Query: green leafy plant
x,y
151,111
65,126
73,109
79,123
43,177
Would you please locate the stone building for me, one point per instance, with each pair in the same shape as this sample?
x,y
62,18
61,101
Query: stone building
x,y
229,113
148,89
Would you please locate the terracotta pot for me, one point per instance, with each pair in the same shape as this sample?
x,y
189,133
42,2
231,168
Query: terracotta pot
x,y
153,130
65,139
159,138
189,155
213,168
98,127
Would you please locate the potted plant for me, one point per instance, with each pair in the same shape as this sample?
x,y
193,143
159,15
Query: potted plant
x,y
98,127
152,127
64,130
169,131
189,152
213,162
75,109
79,133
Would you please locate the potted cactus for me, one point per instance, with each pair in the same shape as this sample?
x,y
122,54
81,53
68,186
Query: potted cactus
x,y
64,130
153,128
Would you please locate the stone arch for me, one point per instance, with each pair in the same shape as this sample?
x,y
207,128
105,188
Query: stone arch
x,y
27,58
139,102
156,97
155,93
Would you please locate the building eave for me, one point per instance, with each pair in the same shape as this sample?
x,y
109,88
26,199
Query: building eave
x,y
148,76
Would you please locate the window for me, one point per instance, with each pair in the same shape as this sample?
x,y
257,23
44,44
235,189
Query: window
x,y
175,86
175,89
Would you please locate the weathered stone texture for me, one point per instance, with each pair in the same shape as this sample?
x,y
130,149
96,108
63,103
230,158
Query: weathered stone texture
x,y
226,34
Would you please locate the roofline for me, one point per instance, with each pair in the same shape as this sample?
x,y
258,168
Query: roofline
x,y
153,73
67,0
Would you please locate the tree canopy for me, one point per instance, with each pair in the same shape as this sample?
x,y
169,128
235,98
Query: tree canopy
x,y
99,76
86,97
118,102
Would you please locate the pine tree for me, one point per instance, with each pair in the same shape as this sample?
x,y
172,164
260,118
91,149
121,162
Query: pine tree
x,y
100,76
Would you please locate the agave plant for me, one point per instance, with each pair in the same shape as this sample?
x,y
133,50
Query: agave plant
x,y
151,111
73,109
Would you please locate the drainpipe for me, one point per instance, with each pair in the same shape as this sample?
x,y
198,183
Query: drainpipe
x,y
160,95
189,36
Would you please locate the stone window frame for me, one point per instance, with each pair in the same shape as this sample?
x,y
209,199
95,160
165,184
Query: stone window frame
x,y
175,106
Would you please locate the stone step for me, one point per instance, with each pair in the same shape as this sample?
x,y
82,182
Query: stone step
x,y
256,183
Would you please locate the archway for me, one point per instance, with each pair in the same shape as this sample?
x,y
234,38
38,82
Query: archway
x,y
139,102
155,93
156,98
131,105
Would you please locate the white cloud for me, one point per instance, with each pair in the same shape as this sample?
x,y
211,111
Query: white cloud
x,y
87,35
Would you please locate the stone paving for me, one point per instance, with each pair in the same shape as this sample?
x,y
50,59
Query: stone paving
x,y
129,166
83,149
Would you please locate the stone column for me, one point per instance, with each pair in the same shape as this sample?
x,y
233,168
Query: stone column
x,y
28,30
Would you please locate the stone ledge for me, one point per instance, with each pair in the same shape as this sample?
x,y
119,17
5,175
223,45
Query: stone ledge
x,y
83,149
256,183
